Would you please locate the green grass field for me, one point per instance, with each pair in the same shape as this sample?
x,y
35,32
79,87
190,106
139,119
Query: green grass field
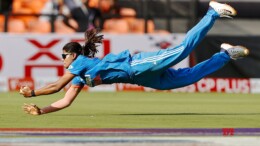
x,y
136,110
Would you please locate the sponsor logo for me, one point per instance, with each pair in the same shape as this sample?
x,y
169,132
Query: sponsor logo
x,y
225,85
43,50
163,44
228,131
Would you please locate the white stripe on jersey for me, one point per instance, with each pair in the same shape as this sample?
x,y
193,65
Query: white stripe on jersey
x,y
158,57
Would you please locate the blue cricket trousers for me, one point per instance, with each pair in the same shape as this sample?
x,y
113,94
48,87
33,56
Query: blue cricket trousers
x,y
153,69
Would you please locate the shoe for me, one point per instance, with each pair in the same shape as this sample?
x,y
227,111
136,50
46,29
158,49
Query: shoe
x,y
235,52
224,10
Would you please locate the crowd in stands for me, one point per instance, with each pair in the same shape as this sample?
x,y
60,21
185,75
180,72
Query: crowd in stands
x,y
70,16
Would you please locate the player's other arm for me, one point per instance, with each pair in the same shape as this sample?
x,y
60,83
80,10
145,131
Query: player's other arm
x,y
69,97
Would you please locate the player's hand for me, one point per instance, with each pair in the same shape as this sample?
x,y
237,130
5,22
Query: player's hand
x,y
25,91
31,109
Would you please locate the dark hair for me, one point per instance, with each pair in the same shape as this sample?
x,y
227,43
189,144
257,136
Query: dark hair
x,y
89,49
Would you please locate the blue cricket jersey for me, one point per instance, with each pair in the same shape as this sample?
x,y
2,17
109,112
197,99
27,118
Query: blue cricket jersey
x,y
93,71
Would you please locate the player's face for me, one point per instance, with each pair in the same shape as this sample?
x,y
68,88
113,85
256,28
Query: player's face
x,y
67,58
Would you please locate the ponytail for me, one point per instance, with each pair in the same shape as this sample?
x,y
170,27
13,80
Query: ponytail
x,y
92,38
89,49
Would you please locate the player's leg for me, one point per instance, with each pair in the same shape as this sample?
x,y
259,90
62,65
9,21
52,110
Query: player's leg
x,y
198,32
171,78
157,62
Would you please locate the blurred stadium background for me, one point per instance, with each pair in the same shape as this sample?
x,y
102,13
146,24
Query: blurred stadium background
x,y
40,29
32,33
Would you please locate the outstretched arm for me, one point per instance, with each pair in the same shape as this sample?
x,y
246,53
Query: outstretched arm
x,y
69,97
49,89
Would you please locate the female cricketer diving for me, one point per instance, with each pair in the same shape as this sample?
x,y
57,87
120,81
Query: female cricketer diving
x,y
149,69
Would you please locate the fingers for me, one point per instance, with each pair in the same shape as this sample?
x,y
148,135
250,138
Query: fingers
x,y
25,108
28,106
22,87
31,109
21,90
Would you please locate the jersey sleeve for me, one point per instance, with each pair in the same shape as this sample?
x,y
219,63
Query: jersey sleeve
x,y
76,67
77,81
